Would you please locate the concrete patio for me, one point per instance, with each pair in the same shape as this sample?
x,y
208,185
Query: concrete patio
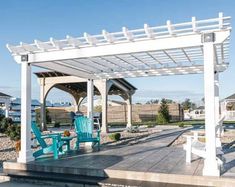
x,y
151,159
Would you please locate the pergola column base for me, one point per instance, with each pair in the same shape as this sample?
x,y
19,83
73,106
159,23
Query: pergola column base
x,y
25,157
128,125
211,169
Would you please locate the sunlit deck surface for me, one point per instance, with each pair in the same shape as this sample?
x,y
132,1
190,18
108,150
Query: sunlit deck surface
x,y
150,159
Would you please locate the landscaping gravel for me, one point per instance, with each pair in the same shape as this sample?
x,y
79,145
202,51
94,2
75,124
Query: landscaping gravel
x,y
7,149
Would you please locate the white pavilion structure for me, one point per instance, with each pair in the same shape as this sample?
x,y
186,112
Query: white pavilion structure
x,y
193,47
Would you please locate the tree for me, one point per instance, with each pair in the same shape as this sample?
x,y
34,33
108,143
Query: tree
x,y
163,116
187,104
169,101
203,100
153,101
48,117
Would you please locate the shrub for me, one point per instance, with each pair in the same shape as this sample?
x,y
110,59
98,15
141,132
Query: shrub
x,y
150,124
115,136
4,124
57,125
181,124
1,117
163,116
13,131
48,117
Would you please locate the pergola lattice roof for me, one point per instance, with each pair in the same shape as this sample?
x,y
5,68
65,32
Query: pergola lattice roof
x,y
150,51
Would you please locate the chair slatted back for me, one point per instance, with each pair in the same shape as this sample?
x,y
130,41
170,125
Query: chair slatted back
x,y
83,127
38,135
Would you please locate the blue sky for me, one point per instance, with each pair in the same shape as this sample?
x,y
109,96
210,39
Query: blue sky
x,y
31,19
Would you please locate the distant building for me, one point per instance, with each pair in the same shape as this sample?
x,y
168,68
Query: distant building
x,y
15,109
228,107
4,104
198,113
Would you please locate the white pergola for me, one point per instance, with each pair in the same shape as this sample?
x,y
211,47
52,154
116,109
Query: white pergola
x,y
197,46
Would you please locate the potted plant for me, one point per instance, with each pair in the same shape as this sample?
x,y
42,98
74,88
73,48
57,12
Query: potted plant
x,y
66,133
18,146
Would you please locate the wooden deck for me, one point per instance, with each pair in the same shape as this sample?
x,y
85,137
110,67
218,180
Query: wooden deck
x,y
148,160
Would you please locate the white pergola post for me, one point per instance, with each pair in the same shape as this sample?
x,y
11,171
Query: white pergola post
x,y
25,154
90,94
210,164
217,109
129,111
104,97
90,104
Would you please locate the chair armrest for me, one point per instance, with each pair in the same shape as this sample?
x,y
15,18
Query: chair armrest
x,y
51,136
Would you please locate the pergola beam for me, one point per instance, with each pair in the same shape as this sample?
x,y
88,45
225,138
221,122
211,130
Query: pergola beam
x,y
64,69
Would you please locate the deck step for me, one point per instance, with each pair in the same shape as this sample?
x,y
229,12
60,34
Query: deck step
x,y
69,180
50,177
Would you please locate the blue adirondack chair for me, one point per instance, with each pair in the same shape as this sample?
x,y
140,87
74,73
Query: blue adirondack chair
x,y
84,131
55,147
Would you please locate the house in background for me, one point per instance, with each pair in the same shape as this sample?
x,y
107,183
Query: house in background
x,y
227,106
197,114
4,103
15,108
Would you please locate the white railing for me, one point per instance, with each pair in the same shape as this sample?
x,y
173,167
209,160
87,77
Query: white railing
x,y
146,33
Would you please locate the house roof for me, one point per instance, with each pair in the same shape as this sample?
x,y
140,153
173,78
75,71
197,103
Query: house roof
x,y
4,95
231,96
200,108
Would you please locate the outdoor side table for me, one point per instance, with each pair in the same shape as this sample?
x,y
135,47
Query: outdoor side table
x,y
67,142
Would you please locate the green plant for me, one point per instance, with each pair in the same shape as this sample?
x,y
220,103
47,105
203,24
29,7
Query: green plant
x,y
4,124
48,117
1,117
13,131
115,136
57,124
181,124
163,116
150,124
